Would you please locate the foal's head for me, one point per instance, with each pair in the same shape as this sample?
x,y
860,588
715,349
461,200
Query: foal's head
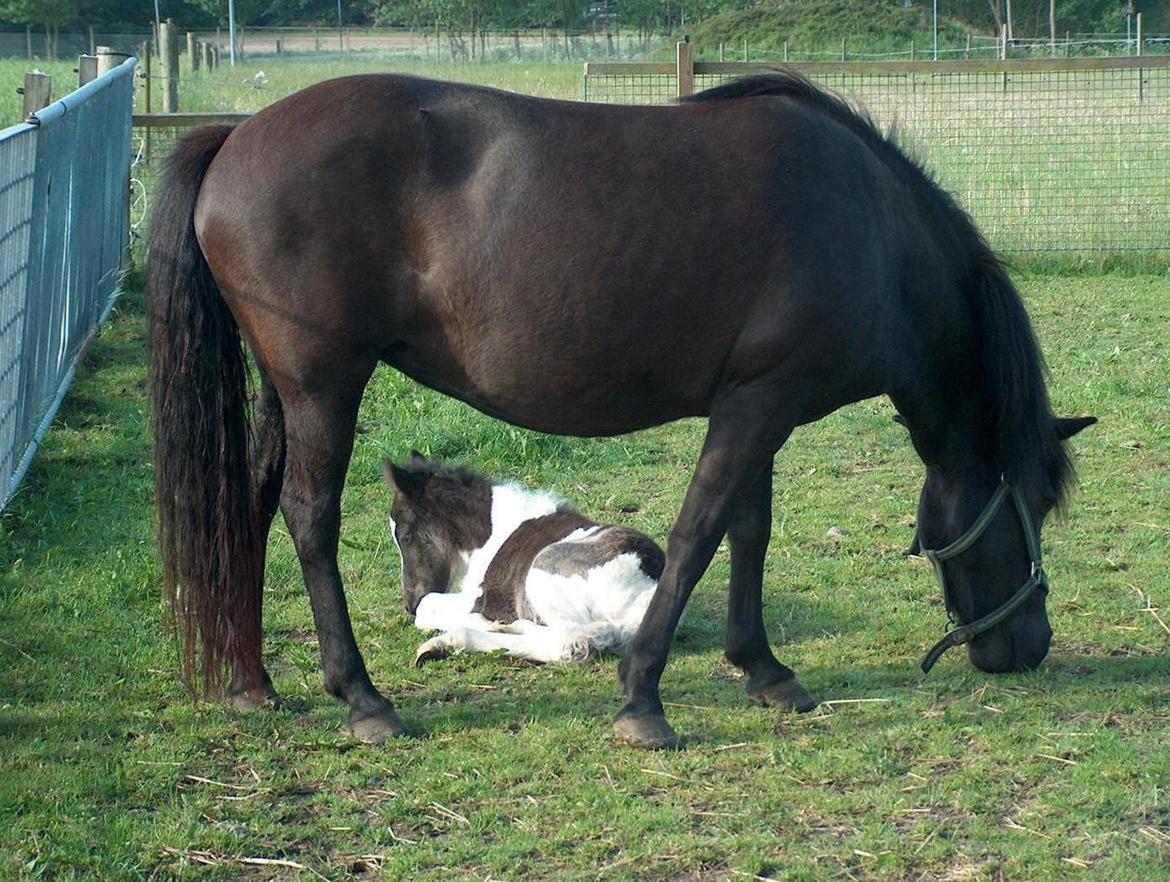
x,y
439,515
982,533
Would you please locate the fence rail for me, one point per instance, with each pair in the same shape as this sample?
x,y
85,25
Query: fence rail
x,y
63,233
1048,155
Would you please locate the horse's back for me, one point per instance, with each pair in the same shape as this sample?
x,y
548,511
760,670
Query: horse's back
x,y
437,226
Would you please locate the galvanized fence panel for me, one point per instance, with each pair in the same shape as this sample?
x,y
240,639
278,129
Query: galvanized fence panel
x,y
17,170
1066,156
63,231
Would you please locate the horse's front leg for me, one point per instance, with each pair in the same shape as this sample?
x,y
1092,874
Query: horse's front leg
x,y
746,644
320,433
743,434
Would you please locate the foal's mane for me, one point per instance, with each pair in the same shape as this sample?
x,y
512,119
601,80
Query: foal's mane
x,y
1025,443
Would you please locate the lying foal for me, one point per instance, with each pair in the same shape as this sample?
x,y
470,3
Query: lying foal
x,y
537,579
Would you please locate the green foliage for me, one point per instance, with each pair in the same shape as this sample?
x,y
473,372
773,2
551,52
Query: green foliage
x,y
53,13
870,26
108,772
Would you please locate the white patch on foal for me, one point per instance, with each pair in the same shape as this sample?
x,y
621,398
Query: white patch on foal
x,y
578,614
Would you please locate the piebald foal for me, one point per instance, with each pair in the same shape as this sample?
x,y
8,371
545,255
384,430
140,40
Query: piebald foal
x,y
537,579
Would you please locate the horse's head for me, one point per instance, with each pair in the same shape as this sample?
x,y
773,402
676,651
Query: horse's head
x,y
982,534
438,517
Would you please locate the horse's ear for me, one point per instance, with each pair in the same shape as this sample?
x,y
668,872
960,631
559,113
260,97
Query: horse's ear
x,y
1066,427
901,421
416,456
403,480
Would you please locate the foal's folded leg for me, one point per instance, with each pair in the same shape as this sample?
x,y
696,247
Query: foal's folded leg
x,y
537,643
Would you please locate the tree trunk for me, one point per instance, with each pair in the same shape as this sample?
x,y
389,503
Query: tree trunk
x,y
995,12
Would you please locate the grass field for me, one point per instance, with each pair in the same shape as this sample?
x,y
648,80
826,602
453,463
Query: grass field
x,y
108,771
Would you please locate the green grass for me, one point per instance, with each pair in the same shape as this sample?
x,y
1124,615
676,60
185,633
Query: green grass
x,y
108,771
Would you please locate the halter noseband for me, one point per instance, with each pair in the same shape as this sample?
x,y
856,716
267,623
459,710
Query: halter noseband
x,y
1036,579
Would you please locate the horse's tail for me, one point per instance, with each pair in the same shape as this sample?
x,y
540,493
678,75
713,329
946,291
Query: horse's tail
x,y
198,388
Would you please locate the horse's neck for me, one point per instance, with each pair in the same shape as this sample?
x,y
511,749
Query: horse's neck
x,y
511,506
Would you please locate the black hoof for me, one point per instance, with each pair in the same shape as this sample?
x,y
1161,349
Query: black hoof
x,y
376,726
787,694
647,731
246,700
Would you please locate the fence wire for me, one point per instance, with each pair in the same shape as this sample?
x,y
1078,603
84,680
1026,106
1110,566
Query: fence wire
x,y
1046,160
63,227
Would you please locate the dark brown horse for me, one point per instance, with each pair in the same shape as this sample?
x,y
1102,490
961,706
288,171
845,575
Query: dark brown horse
x,y
761,255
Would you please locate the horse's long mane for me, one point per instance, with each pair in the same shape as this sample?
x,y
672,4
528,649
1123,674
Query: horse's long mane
x,y
1026,446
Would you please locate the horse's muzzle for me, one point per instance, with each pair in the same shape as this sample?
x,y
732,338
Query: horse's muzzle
x,y
1019,644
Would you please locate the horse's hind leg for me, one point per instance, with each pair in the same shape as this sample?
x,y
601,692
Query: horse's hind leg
x,y
746,644
252,690
320,431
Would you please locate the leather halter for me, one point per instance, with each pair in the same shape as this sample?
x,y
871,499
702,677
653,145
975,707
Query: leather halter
x,y
937,557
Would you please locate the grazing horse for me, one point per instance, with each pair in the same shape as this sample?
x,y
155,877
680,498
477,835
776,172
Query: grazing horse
x,y
760,255
539,581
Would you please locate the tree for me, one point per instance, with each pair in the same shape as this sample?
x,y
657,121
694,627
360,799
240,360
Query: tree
x,y
51,14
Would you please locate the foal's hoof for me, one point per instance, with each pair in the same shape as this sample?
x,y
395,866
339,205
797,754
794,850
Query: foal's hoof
x,y
787,694
434,649
376,726
648,731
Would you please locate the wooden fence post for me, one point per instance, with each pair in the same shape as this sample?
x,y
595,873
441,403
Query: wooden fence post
x,y
145,60
208,57
38,91
685,67
87,69
169,58
192,51
107,59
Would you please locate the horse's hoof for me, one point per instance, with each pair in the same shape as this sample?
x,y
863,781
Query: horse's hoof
x,y
648,731
376,727
433,650
787,694
246,700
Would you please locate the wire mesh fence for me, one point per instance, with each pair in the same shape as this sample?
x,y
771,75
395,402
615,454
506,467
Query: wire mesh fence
x,y
1052,156
63,219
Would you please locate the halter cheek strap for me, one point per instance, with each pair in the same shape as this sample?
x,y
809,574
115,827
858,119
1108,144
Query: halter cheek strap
x,y
1037,578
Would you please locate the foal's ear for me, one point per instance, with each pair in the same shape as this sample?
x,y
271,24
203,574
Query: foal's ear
x,y
403,480
901,421
1066,427
415,456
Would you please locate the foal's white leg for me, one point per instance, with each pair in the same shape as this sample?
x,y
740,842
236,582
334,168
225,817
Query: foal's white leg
x,y
537,643
440,612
